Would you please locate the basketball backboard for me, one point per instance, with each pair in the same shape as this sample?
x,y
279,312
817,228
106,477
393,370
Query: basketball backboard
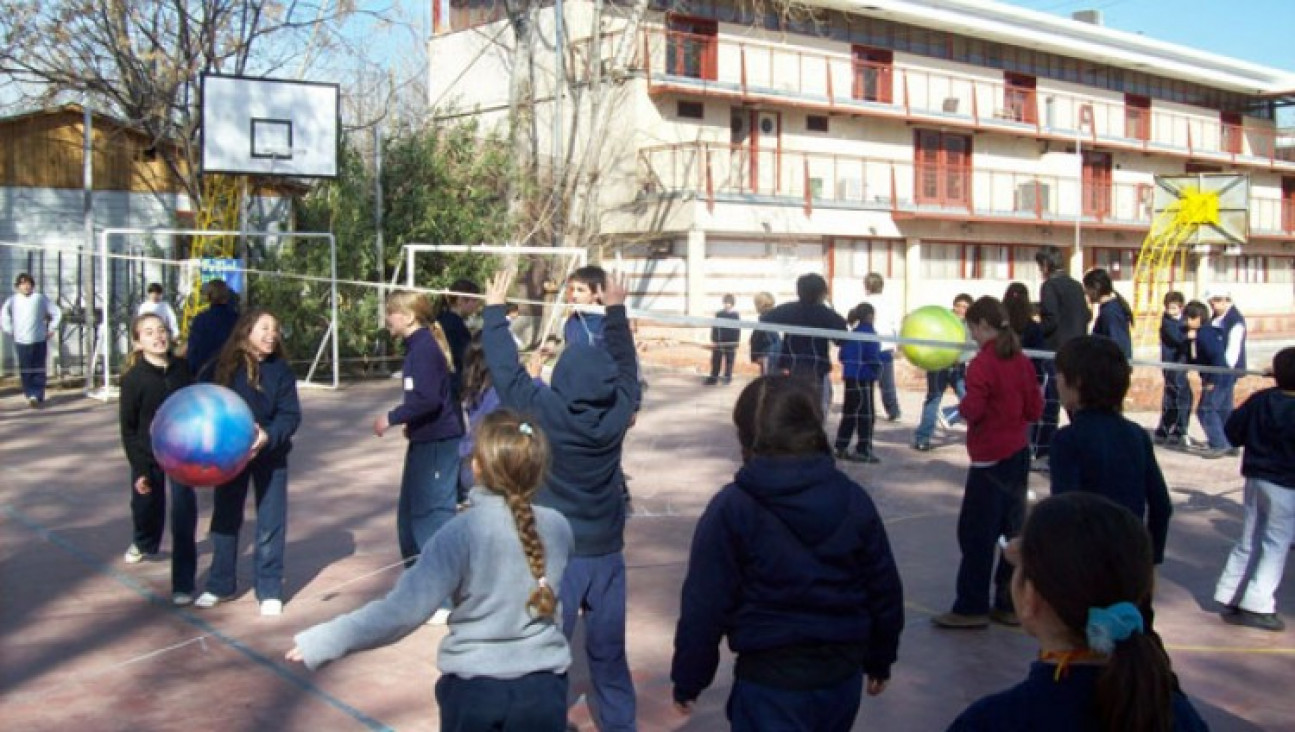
x,y
1218,203
269,127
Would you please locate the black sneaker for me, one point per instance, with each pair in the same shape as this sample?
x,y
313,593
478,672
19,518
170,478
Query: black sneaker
x,y
1261,621
711,381
849,456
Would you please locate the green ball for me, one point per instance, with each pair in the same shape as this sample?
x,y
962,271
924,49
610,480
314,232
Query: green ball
x,y
932,323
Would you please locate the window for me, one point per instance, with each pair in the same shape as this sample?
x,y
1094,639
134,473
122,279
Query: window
x,y
943,167
1231,132
873,74
691,47
1019,102
1245,269
691,110
942,262
1137,117
1097,184
873,255
816,123
1118,263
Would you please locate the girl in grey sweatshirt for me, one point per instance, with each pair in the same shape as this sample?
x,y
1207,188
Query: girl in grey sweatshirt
x,y
504,661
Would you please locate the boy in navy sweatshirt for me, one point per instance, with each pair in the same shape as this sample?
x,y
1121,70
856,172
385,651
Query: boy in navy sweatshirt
x,y
1176,400
1207,347
585,413
1265,427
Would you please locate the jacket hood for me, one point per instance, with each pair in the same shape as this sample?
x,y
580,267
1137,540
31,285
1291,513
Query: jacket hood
x,y
585,378
806,493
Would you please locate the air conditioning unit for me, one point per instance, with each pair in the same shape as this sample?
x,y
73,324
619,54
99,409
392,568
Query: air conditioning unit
x,y
1033,196
850,189
611,68
768,124
950,105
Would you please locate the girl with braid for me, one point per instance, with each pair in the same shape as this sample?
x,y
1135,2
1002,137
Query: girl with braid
x,y
503,664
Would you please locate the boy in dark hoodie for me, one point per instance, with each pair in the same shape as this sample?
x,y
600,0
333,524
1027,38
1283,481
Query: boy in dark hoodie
x,y
1176,399
791,563
585,414
1207,347
807,356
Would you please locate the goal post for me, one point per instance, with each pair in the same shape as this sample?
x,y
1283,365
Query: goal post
x,y
108,340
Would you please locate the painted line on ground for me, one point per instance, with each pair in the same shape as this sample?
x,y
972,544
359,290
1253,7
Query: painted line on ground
x,y
153,598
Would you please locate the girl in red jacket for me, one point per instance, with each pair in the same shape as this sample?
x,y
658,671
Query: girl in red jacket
x,y
1002,400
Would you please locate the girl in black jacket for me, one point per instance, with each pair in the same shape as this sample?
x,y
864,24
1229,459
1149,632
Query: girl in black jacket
x,y
151,375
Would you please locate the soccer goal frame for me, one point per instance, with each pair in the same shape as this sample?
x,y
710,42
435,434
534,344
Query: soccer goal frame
x,y
106,255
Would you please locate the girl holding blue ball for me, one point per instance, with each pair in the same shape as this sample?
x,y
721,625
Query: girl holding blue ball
x,y
151,375
254,365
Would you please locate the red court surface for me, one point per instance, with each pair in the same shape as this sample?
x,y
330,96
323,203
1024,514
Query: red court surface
x,y
87,642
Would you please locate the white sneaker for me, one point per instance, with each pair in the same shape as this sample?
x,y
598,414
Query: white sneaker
x,y
942,419
207,600
440,617
271,607
180,599
133,555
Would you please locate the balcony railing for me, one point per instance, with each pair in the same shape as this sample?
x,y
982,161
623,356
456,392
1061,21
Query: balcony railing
x,y
778,73
724,172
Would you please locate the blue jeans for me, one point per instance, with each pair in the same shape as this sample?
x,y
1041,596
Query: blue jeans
x,y
1225,385
889,396
1043,430
1254,569
1210,412
936,383
184,542
31,369
596,586
993,505
428,494
535,701
753,707
1175,405
269,477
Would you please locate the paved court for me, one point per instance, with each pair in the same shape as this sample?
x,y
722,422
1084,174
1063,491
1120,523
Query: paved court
x,y
87,642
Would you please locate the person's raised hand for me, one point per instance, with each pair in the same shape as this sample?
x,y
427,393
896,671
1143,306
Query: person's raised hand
x,y
615,291
498,286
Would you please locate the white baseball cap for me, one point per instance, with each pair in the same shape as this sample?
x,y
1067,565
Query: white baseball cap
x,y
1218,292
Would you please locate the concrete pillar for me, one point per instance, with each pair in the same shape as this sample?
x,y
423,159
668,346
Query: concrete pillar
x,y
1204,272
696,278
912,273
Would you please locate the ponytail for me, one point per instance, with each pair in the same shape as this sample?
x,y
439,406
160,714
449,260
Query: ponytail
x,y
990,312
438,335
1134,690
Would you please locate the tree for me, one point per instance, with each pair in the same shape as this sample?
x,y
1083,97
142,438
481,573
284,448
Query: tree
x,y
141,60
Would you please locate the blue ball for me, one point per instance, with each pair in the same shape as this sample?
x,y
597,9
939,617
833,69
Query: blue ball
x,y
202,435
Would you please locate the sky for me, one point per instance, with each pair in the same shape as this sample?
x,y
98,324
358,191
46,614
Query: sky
x,y
1262,31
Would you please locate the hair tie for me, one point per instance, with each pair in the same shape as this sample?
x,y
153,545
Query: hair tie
x,y
526,429
1109,626
543,582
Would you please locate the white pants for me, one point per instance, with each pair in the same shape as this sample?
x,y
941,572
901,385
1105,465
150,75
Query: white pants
x,y
1254,569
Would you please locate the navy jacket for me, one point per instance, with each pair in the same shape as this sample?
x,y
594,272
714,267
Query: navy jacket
x,y
585,414
1063,310
1114,322
207,335
1042,703
143,389
1207,349
582,327
1173,339
726,336
803,355
764,343
861,360
792,553
1102,452
1225,324
1265,426
429,410
274,405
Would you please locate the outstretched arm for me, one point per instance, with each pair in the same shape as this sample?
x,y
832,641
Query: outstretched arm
x,y
516,388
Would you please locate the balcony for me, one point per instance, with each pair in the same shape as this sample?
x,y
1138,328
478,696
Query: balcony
x,y
751,71
717,172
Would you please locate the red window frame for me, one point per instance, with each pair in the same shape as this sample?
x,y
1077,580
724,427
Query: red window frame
x,y
1137,117
1097,184
1020,101
1288,204
874,72
942,163
1231,132
692,49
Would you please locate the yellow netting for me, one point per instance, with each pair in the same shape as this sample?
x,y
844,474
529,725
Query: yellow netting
x,y
1163,252
221,203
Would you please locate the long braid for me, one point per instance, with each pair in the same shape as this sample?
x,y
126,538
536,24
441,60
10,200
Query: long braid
x,y
543,601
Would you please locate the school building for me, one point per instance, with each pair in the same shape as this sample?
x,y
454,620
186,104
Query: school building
x,y
938,142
